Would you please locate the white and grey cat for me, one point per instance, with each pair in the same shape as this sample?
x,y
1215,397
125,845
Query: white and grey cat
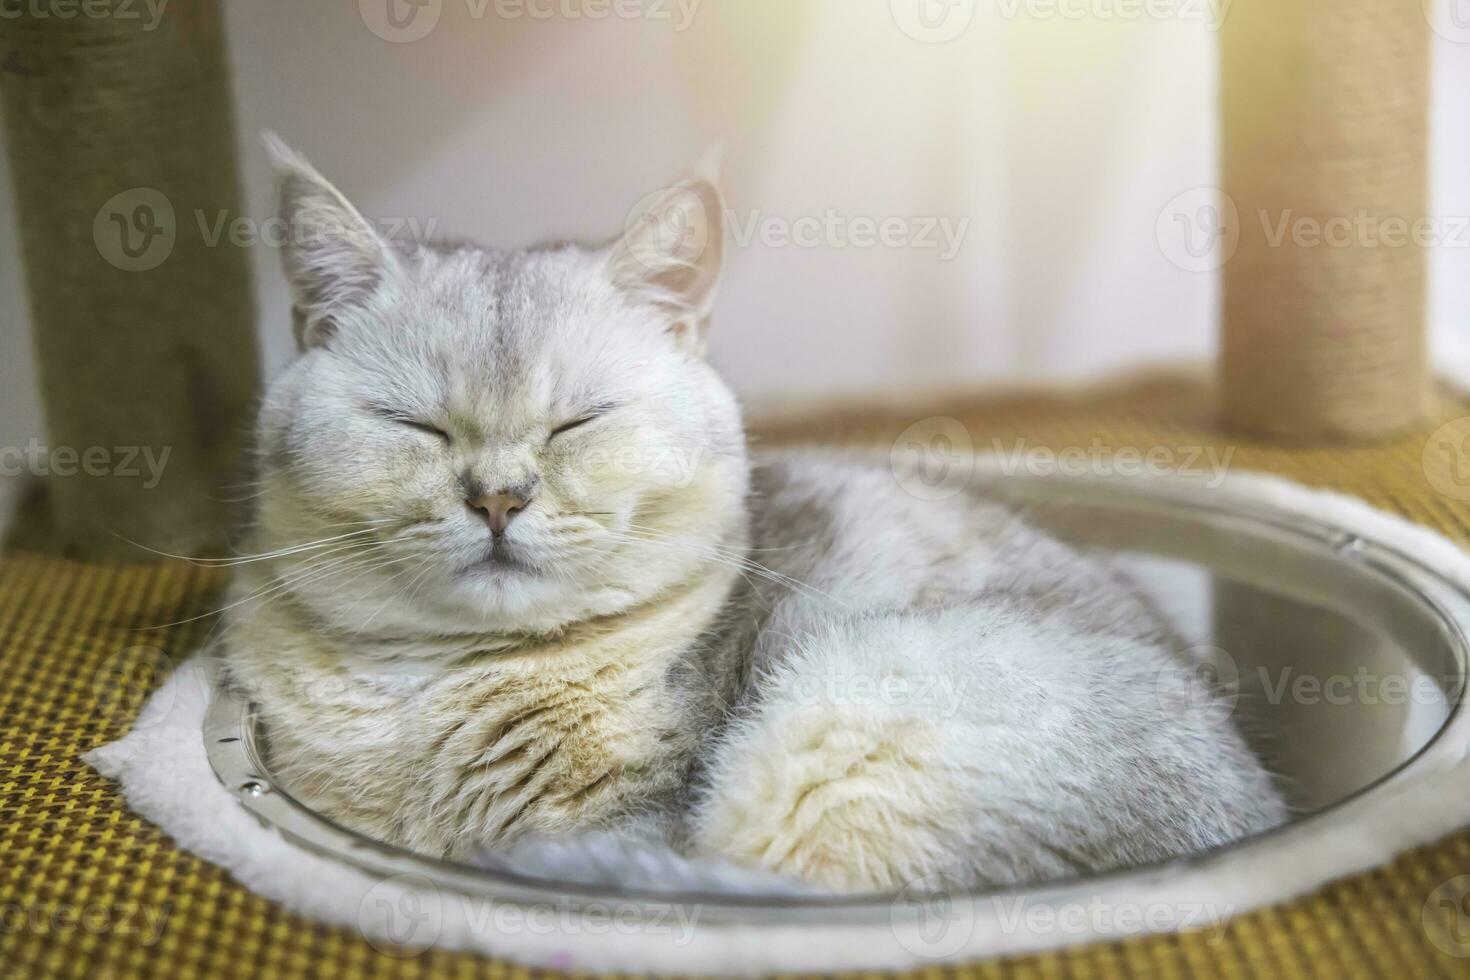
x,y
517,577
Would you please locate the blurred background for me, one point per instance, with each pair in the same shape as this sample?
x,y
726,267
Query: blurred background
x,y
924,194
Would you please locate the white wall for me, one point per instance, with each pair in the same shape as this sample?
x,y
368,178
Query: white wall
x,y
1058,140
1050,143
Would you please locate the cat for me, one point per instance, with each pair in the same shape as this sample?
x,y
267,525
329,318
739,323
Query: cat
x,y
515,575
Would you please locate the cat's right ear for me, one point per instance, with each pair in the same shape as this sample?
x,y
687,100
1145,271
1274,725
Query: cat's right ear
x,y
333,258
672,251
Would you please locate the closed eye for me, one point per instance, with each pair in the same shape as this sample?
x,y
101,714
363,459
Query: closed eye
x,y
573,424
582,420
398,418
432,430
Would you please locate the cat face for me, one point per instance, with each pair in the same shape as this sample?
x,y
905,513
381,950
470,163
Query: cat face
x,y
497,441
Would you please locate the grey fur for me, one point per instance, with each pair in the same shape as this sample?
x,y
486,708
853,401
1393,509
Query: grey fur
x,y
682,644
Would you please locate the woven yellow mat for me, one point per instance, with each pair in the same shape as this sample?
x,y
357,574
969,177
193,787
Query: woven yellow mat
x,y
89,889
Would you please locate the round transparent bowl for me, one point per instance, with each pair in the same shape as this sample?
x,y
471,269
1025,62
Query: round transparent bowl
x,y
1348,656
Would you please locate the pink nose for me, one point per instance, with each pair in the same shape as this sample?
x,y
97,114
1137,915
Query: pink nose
x,y
498,509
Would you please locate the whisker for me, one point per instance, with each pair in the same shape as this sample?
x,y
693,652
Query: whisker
x,y
247,559
423,566
730,559
318,566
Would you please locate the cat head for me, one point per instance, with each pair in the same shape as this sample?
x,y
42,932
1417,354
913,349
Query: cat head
x,y
497,441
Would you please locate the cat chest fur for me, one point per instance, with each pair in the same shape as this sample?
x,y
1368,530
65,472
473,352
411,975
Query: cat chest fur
x,y
520,749
478,748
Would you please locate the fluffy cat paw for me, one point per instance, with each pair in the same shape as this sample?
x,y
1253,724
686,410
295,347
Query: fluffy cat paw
x,y
841,797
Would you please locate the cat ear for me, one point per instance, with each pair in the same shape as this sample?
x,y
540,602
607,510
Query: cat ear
x,y
333,258
672,251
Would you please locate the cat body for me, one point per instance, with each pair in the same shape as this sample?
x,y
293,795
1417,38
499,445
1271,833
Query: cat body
x,y
952,695
517,577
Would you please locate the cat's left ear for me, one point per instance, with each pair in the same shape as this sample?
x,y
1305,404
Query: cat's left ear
x,y
672,251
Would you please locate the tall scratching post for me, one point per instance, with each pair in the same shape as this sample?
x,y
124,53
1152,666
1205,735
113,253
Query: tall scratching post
x,y
1325,106
122,149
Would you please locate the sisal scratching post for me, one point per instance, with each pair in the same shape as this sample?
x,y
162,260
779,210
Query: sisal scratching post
x,y
1324,109
121,145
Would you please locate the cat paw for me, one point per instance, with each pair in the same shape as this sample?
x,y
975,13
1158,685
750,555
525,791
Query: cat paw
x,y
843,798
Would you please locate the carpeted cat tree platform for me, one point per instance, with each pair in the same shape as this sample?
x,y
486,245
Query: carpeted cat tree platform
x,y
77,668
1324,382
